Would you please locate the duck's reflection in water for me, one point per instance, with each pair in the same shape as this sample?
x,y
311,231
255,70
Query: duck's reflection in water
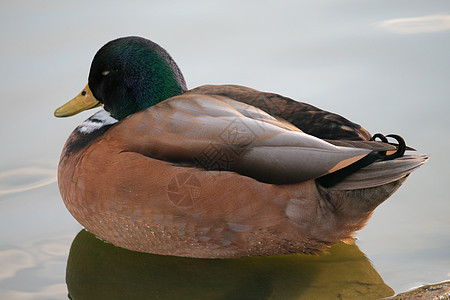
x,y
99,270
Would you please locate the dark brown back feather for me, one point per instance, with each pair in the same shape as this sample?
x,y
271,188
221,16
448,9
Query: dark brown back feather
x,y
306,117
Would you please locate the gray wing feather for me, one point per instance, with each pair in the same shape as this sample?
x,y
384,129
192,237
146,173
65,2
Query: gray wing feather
x,y
382,172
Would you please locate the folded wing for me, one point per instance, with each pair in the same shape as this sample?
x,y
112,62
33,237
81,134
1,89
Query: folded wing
x,y
218,133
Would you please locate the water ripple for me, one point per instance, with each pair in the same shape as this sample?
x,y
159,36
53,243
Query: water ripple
x,y
24,179
432,23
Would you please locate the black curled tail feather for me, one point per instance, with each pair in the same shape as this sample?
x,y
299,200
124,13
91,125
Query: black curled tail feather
x,y
401,146
334,178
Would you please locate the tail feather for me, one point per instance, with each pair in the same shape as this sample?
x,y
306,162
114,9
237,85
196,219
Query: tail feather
x,y
381,172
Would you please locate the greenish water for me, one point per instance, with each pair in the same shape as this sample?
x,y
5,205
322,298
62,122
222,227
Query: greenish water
x,y
390,76
96,270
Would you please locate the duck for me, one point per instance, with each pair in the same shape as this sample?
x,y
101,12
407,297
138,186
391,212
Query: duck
x,y
218,171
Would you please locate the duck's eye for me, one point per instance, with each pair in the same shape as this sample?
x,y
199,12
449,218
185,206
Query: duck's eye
x,y
83,93
104,73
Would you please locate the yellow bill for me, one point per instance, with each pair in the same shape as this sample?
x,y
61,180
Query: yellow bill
x,y
83,101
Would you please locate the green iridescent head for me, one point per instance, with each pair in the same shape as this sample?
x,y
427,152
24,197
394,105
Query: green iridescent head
x,y
132,73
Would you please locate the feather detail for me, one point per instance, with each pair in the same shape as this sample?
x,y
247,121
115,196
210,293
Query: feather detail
x,y
248,140
306,117
381,172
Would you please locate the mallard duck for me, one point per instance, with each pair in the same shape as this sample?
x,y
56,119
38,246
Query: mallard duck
x,y
218,171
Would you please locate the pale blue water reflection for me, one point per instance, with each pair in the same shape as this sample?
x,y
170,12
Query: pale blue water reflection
x,y
351,57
